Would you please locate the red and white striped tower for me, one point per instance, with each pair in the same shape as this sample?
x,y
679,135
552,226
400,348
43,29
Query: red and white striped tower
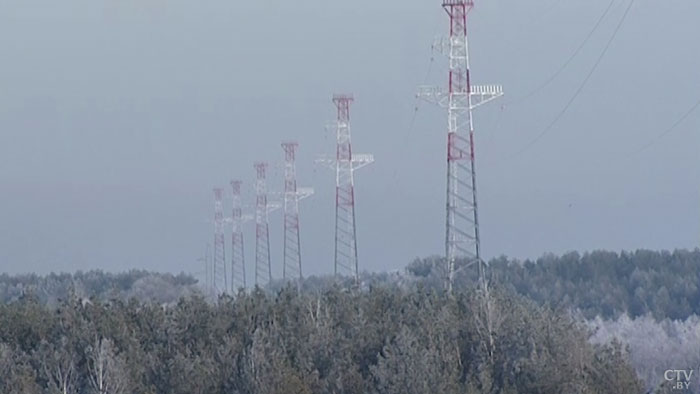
x,y
291,268
462,240
220,282
345,164
237,253
263,267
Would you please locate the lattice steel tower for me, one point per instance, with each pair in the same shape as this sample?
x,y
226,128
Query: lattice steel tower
x,y
263,267
220,282
345,163
462,236
292,241
208,285
237,253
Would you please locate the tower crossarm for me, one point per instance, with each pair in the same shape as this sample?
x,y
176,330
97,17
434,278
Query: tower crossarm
x,y
245,218
482,94
441,45
305,192
433,95
273,206
326,160
467,3
359,160
302,192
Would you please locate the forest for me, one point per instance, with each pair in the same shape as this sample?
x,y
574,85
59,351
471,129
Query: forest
x,y
601,322
380,341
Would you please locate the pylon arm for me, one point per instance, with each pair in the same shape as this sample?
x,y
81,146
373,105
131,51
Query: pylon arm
x,y
361,160
326,161
358,161
482,94
467,3
304,192
272,206
433,95
441,45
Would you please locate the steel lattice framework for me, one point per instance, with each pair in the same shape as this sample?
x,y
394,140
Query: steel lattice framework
x,y
208,286
291,268
263,266
462,225
345,164
238,279
220,282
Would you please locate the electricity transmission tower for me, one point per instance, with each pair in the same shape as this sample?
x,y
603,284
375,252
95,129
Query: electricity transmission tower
x,y
208,286
291,268
238,279
461,98
263,267
345,164
220,284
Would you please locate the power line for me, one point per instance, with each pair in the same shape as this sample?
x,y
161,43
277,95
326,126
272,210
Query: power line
x,y
417,102
570,59
425,80
668,130
583,84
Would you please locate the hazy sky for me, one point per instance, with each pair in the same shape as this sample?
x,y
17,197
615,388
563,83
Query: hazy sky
x,y
117,117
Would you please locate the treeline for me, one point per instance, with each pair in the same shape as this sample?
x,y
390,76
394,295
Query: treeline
x,y
142,285
654,346
383,341
607,284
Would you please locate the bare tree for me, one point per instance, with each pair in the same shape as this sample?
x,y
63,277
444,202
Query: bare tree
x,y
107,372
58,366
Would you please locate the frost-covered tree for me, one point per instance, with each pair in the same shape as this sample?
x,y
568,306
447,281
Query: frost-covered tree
x,y
654,346
106,369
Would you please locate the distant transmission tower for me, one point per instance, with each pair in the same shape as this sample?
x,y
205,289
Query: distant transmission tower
x,y
263,267
345,163
292,194
219,264
462,239
237,252
292,242
208,285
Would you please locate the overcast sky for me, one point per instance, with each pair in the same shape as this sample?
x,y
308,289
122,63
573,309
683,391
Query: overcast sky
x,y
117,117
